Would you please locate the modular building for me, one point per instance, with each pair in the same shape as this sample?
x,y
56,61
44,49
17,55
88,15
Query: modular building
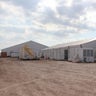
x,y
24,50
79,51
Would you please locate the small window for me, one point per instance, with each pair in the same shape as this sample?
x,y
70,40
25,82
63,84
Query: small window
x,y
91,52
88,52
84,52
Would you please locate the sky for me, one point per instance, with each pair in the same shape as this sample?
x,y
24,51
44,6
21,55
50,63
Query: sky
x,y
48,22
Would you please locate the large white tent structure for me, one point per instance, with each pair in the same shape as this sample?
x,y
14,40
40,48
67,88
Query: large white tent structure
x,y
79,51
16,51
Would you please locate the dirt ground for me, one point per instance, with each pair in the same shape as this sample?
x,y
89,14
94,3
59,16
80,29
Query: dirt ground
x,y
46,78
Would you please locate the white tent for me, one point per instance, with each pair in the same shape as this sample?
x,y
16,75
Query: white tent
x,y
73,51
14,51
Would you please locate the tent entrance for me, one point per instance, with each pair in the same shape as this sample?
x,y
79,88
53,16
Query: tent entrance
x,y
65,54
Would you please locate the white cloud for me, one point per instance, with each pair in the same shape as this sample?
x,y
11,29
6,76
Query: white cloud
x,y
12,14
46,21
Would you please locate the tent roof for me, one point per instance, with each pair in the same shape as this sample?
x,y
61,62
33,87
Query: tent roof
x,y
31,42
70,44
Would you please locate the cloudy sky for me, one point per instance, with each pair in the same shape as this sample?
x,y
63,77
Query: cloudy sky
x,y
49,22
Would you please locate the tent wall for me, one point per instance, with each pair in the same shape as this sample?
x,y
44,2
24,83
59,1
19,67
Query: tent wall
x,y
91,44
75,53
36,47
14,54
55,54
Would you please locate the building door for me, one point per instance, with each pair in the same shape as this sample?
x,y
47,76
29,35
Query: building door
x,y
65,54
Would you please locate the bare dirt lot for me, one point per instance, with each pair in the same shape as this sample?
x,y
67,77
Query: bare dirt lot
x,y
46,78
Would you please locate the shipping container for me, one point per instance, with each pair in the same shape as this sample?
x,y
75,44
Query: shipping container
x,y
3,54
